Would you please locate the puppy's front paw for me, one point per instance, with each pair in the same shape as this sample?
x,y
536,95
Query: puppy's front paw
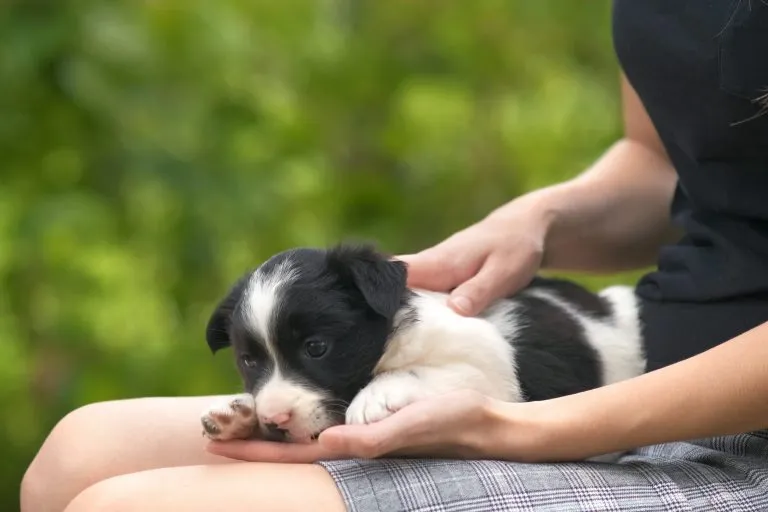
x,y
231,418
383,397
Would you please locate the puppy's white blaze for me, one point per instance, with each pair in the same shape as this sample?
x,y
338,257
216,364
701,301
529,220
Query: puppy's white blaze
x,y
283,395
475,352
617,340
262,301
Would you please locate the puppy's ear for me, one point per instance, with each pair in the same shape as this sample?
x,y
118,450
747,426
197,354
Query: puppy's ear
x,y
217,331
380,280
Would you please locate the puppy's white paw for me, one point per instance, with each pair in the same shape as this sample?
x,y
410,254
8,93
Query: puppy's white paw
x,y
231,418
384,396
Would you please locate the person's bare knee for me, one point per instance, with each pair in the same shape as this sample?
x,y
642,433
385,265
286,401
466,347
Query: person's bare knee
x,y
107,439
66,463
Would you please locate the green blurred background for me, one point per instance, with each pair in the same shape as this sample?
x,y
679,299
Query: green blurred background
x,y
152,150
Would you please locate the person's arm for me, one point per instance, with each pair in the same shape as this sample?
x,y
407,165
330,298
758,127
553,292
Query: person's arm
x,y
722,391
615,215
719,392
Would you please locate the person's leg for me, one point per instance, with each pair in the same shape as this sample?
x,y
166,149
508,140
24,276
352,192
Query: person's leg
x,y
244,487
107,439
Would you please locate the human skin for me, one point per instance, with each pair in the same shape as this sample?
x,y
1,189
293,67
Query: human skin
x,y
146,454
570,428
612,217
143,455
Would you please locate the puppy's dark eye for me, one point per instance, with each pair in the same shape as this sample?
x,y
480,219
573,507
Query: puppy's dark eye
x,y
247,360
315,348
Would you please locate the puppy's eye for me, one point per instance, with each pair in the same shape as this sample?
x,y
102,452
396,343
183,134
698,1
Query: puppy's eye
x,y
315,348
247,360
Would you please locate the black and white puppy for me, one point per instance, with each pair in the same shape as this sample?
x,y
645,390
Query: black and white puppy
x,y
324,337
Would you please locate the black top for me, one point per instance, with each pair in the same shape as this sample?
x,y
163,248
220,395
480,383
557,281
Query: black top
x,y
698,66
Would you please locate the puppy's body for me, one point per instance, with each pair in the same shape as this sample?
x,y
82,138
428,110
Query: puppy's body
x,y
325,337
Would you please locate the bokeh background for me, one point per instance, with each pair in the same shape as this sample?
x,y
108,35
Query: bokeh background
x,y
153,150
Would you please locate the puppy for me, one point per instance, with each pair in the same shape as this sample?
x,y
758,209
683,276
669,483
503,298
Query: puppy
x,y
323,337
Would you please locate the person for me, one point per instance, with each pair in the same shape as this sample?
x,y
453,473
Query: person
x,y
685,188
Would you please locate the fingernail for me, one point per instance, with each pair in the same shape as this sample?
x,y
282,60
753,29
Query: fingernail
x,y
463,304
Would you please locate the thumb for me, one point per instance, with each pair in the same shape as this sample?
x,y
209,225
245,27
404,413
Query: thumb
x,y
494,280
366,441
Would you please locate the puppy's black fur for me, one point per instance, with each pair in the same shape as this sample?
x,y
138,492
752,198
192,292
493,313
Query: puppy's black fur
x,y
336,311
345,298
554,357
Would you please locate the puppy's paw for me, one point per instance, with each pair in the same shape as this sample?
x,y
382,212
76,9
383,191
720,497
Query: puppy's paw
x,y
231,418
383,397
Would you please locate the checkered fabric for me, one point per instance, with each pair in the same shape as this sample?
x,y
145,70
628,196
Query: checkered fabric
x,y
724,474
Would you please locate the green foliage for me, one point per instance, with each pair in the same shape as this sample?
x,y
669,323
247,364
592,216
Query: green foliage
x,y
151,151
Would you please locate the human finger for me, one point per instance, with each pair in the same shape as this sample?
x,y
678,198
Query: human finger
x,y
497,278
432,270
427,270
403,431
268,451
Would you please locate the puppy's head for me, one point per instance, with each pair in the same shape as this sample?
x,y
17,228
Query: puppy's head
x,y
307,328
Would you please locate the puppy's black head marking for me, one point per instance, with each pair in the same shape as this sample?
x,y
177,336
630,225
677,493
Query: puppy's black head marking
x,y
347,297
319,319
380,281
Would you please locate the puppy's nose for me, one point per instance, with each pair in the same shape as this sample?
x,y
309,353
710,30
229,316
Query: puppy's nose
x,y
278,420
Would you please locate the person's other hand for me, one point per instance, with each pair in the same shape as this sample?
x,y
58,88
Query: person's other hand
x,y
462,424
486,261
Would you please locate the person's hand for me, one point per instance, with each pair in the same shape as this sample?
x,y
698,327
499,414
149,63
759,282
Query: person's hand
x,y
462,424
486,261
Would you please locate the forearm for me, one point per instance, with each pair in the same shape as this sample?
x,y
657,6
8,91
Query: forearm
x,y
614,216
720,392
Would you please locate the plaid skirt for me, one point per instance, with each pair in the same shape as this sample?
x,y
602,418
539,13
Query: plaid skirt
x,y
723,474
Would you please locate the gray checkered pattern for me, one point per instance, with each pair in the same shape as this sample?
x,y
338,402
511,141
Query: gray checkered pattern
x,y
724,474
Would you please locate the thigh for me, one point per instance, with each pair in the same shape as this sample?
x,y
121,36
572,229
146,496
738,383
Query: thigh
x,y
137,434
243,487
107,439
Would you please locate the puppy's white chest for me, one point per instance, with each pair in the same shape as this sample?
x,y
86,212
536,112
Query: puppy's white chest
x,y
442,352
